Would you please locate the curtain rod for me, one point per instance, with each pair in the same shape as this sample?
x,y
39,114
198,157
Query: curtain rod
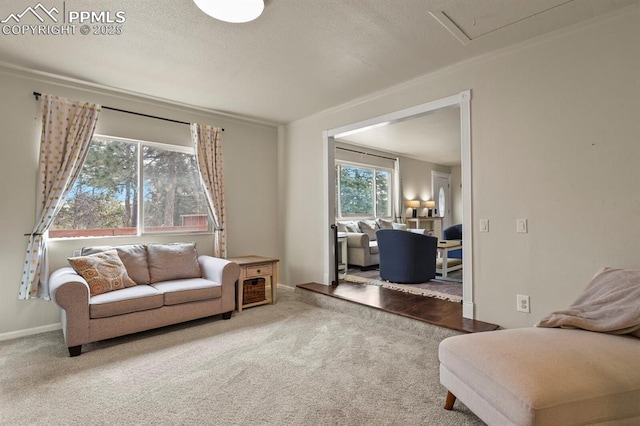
x,y
37,96
366,153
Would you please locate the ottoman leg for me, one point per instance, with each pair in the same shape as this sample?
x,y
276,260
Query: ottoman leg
x,y
451,399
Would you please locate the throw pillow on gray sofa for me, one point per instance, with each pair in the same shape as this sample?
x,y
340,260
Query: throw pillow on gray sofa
x,y
172,261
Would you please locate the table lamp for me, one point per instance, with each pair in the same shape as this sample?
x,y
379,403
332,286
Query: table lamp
x,y
430,205
414,204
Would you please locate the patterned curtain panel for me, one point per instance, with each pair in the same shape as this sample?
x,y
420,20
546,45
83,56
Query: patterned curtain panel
x,y
208,144
67,129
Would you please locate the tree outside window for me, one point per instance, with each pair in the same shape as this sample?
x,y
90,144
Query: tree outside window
x,y
105,198
362,191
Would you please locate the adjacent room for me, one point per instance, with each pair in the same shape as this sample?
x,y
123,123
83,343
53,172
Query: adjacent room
x,y
320,212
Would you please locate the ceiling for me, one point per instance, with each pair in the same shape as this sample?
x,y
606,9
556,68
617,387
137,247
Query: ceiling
x,y
298,58
433,137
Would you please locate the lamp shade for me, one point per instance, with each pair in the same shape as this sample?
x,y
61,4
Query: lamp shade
x,y
414,204
235,11
430,204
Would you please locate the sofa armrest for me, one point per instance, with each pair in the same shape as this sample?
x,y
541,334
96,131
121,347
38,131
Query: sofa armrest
x,y
219,270
70,291
357,240
224,272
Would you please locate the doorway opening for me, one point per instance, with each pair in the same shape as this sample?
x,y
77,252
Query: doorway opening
x,y
462,101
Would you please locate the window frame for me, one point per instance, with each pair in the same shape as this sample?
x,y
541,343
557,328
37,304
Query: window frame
x,y
140,186
390,171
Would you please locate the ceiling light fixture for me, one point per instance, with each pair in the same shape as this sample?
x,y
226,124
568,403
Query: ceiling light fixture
x,y
235,11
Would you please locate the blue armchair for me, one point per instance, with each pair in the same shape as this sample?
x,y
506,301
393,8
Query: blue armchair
x,y
453,233
406,257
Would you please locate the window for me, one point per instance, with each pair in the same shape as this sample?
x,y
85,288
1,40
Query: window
x,y
130,187
363,191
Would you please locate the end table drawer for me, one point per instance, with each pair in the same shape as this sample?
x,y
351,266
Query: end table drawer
x,y
258,270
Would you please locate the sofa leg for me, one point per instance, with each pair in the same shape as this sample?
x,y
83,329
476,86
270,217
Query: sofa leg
x,y
226,315
75,350
451,399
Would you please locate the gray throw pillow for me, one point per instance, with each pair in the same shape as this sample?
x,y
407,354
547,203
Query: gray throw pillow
x,y
172,261
384,224
368,227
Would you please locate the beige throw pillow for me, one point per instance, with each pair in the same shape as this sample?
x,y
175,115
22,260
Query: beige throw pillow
x,y
172,261
368,227
384,224
104,271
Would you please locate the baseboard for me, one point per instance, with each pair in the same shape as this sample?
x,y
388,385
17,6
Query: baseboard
x,y
30,331
468,309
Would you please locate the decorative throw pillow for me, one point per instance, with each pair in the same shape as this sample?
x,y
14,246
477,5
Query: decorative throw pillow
x,y
348,226
172,261
104,271
133,256
367,228
400,226
384,224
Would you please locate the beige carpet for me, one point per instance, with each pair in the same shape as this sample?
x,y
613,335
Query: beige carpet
x,y
286,364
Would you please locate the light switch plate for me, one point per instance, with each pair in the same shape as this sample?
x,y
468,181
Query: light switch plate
x,y
484,225
521,226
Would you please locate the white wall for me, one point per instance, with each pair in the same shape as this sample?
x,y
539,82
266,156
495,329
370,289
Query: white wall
x,y
554,140
250,162
416,181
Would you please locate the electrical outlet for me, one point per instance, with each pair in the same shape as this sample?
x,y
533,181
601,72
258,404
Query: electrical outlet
x,y
523,304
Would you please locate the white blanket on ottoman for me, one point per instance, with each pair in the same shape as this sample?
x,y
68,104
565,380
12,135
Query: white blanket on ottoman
x,y
609,304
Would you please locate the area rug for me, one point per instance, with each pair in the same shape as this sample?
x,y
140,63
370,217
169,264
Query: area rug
x,y
439,289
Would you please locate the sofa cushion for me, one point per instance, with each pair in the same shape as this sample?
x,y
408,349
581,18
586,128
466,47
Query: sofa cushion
x,y
172,261
188,290
133,256
103,271
368,227
384,224
348,226
133,299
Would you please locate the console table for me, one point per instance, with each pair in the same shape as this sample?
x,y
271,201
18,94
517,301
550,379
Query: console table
x,y
431,225
252,267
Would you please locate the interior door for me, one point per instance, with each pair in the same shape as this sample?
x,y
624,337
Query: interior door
x,y
441,187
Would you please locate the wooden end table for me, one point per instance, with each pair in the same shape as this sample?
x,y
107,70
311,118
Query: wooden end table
x,y
256,267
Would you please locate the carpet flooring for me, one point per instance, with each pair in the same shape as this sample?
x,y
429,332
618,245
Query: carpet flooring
x,y
291,363
441,288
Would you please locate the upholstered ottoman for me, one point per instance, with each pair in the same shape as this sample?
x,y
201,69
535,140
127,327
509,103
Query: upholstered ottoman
x,y
544,376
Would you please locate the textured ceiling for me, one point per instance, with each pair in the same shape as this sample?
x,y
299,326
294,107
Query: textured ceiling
x,y
433,137
298,58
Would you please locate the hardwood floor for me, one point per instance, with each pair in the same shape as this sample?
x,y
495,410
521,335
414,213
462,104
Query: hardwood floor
x,y
428,309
